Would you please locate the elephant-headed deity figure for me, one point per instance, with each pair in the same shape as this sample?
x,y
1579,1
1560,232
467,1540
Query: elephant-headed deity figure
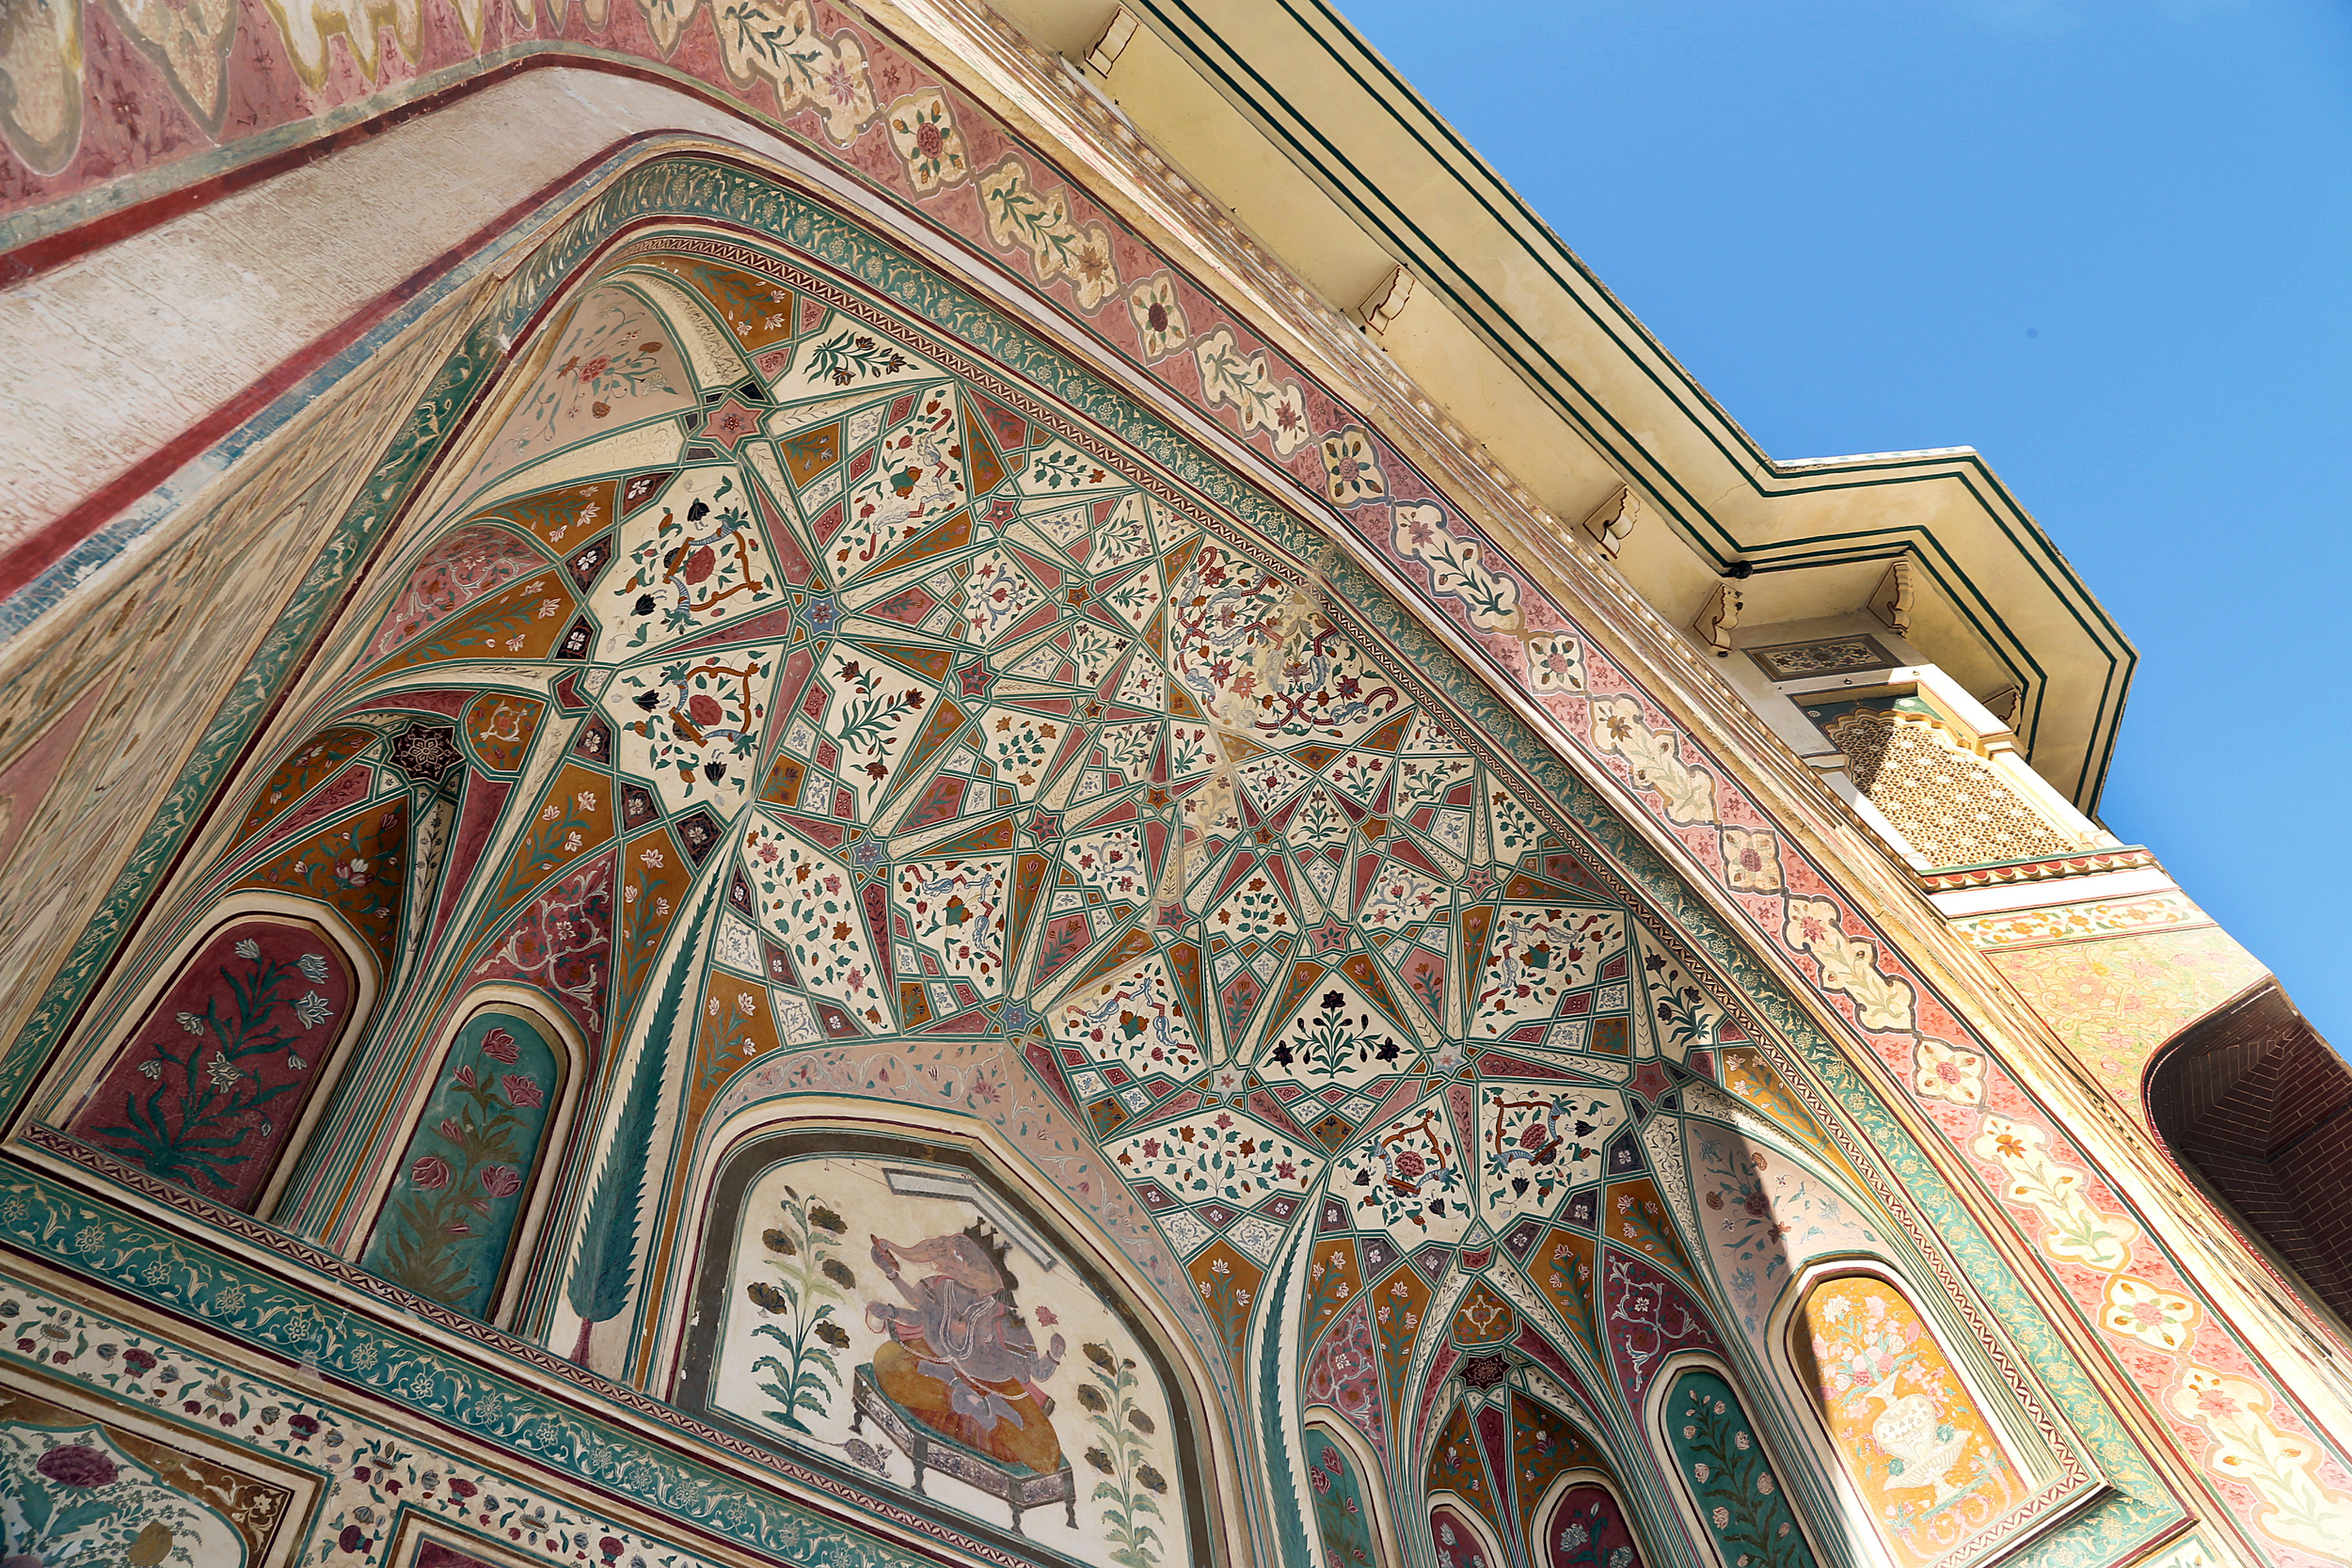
x,y
961,1359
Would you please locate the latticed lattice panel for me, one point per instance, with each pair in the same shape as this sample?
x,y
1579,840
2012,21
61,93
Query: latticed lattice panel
x,y
1950,804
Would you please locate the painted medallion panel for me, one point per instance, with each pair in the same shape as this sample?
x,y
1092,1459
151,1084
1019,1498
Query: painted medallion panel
x,y
218,1074
900,1313
458,1199
80,1485
1906,1429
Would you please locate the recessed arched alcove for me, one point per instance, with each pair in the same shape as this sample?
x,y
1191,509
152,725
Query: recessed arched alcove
x,y
2253,1102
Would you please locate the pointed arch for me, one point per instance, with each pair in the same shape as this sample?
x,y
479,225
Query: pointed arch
x,y
471,1187
1581,1521
1461,1537
241,1034
1348,1502
1899,1423
909,1305
1729,1488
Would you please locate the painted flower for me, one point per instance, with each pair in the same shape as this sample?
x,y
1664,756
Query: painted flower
x,y
313,1009
499,1043
521,1092
1752,860
221,1071
2152,1316
1351,468
501,1180
78,1466
192,1024
1159,318
1945,1073
248,949
431,1172
313,967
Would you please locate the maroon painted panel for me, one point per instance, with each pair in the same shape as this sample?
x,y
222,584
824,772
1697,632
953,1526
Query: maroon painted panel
x,y
1587,1529
216,1076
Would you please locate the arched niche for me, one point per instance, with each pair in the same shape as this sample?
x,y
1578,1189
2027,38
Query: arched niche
x,y
2256,1108
1729,1489
1460,1537
1581,1522
900,1317
1918,1455
1347,1502
470,1188
241,1032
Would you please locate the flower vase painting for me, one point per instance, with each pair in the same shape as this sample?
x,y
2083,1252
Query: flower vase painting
x,y
457,1200
904,1319
1914,1444
217,1076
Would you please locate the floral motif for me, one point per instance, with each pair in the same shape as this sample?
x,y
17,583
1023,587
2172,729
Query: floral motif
x,y
1752,860
1457,566
798,1308
1715,1450
74,1496
1882,1001
202,1098
759,40
2248,1445
1654,759
1351,467
1160,327
2152,1316
1903,1421
1555,662
2075,1230
452,1219
1246,382
1217,1156
1406,1178
928,141
1942,1071
1021,216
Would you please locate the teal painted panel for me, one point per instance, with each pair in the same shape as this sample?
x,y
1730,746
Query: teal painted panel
x,y
1718,1455
1342,1509
449,1222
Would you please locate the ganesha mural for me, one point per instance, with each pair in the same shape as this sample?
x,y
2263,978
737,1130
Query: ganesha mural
x,y
903,1313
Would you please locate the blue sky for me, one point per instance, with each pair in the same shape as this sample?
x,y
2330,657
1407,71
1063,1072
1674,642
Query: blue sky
x,y
2106,243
